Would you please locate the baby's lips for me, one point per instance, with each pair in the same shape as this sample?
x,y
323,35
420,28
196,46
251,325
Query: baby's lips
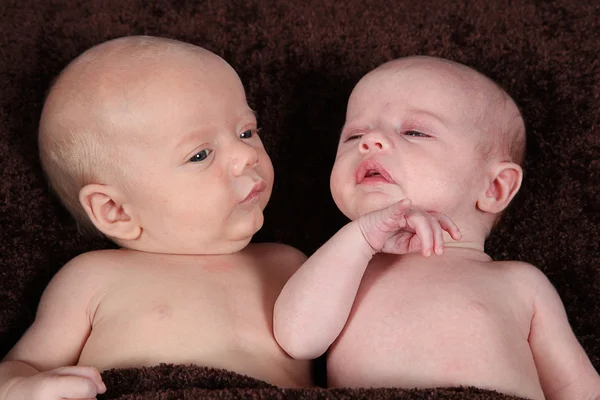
x,y
371,165
258,187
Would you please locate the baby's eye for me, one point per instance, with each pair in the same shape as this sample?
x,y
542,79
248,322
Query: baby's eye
x,y
353,137
248,133
416,134
200,156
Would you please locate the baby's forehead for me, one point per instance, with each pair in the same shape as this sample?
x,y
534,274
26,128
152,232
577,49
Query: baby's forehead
x,y
439,74
122,66
119,75
424,79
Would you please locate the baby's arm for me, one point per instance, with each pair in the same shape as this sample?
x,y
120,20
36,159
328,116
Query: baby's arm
x,y
564,369
41,365
315,303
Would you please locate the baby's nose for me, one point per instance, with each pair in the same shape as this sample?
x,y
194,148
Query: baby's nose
x,y
372,141
246,157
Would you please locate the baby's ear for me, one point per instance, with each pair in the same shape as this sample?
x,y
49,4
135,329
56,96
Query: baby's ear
x,y
504,181
106,208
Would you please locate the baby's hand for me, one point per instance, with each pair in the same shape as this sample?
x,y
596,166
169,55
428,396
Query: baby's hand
x,y
60,383
402,228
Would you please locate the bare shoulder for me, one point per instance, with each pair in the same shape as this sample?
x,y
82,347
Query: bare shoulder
x,y
82,276
518,269
277,250
527,277
65,313
280,257
88,266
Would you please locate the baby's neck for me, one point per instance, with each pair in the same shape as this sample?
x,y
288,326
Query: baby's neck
x,y
469,240
471,245
473,231
465,244
468,250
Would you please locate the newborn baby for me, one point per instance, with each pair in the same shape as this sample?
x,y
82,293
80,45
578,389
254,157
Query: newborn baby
x,y
151,142
405,294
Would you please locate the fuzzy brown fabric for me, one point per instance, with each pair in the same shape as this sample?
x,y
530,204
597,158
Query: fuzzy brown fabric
x,y
171,382
299,61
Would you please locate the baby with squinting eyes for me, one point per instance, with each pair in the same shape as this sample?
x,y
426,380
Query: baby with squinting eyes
x,y
151,142
404,295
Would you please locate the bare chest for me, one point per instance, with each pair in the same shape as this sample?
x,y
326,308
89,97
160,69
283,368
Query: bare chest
x,y
412,292
438,323
182,316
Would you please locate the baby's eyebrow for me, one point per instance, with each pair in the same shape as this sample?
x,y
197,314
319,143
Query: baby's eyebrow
x,y
249,111
190,137
354,127
426,114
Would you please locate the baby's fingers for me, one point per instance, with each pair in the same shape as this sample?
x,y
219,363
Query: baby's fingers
x,y
423,229
392,214
449,226
438,235
440,223
75,387
85,372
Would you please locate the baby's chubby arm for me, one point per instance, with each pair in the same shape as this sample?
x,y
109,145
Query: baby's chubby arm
x,y
564,369
42,363
315,303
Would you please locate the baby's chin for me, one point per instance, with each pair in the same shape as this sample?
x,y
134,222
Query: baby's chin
x,y
365,206
248,224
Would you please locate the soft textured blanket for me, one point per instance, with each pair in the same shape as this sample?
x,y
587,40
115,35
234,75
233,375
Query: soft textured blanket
x,y
170,382
299,60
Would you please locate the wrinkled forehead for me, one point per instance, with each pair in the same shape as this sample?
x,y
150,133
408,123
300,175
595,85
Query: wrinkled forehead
x,y
436,86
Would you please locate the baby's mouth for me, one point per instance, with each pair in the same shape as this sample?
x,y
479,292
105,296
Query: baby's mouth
x,y
259,187
371,172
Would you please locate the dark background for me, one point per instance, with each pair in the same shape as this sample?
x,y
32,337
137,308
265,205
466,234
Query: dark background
x,y
299,62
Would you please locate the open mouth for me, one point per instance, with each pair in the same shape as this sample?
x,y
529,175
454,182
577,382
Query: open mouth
x,y
370,171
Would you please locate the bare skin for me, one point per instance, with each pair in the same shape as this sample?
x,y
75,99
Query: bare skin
x,y
128,309
182,192
404,295
458,319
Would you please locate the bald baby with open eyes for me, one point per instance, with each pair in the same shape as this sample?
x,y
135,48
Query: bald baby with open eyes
x,y
98,108
151,143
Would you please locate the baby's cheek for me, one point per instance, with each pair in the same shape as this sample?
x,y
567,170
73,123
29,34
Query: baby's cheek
x,y
343,199
265,162
336,185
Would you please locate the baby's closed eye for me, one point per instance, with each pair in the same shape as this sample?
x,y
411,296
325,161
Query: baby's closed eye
x,y
353,137
414,133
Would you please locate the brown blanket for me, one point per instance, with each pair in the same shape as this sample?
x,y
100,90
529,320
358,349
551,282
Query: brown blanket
x,y
299,60
170,382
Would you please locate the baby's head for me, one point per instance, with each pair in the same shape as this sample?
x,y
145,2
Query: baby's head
x,y
151,142
434,131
